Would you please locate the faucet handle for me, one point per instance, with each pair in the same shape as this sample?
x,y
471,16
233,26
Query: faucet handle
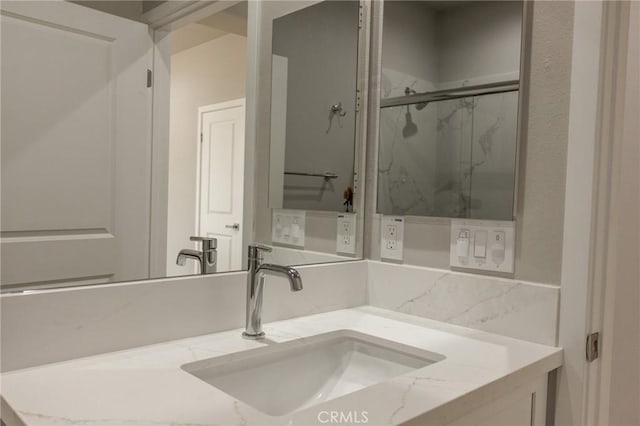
x,y
262,247
208,243
255,250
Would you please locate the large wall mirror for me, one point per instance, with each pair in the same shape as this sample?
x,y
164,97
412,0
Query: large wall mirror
x,y
99,185
316,148
313,107
449,108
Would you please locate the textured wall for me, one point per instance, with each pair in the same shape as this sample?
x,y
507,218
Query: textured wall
x,y
540,209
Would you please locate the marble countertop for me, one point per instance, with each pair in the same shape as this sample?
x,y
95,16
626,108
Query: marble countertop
x,y
146,386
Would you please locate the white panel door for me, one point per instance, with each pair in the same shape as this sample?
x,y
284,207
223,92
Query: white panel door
x,y
221,182
75,145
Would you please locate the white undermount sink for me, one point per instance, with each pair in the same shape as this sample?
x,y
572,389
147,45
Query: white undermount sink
x,y
287,377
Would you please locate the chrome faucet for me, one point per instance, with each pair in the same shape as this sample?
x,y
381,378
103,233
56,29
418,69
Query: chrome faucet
x,y
255,284
207,257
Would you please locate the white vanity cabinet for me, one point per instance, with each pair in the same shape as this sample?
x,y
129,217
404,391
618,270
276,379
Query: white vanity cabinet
x,y
524,406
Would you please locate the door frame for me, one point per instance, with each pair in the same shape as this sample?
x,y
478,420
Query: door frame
x,y
162,20
588,280
240,102
611,190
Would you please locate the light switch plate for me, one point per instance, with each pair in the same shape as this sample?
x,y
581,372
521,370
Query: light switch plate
x,y
346,235
392,237
288,227
483,244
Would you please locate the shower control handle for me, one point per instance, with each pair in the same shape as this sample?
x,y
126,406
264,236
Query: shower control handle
x,y
338,109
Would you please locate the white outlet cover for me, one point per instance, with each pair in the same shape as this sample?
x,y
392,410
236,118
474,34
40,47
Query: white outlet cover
x,y
346,233
484,245
288,227
392,237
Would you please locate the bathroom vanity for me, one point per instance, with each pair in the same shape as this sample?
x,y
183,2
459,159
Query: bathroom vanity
x,y
371,365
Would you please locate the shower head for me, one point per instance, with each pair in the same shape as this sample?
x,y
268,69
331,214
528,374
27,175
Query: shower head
x,y
410,128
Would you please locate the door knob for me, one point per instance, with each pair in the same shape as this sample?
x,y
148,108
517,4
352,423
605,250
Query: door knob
x,y
235,226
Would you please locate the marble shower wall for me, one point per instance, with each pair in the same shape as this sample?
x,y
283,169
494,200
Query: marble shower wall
x,y
453,158
522,310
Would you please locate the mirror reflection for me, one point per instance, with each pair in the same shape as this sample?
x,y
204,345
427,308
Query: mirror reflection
x,y
313,107
116,166
315,145
449,109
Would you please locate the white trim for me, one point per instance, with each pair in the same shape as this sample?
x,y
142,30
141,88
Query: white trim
x,y
254,14
600,242
240,102
159,154
611,269
173,14
361,140
577,278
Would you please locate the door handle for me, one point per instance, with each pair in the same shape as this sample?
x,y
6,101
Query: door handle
x,y
235,226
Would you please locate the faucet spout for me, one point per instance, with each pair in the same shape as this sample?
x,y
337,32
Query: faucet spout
x,y
207,258
292,274
184,254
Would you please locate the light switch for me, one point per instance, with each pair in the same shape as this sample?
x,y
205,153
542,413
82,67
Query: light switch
x,y
483,244
497,247
462,243
288,227
480,244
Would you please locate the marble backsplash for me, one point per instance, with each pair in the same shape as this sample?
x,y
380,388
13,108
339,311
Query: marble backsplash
x,y
58,325
511,308
72,323
296,257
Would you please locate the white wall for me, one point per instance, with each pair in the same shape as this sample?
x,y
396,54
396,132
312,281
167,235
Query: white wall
x,y
410,48
209,73
479,40
426,47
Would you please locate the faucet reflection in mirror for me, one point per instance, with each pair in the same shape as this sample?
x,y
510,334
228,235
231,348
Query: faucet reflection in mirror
x,y
255,285
206,258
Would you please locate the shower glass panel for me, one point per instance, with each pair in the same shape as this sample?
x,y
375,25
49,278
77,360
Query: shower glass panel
x,y
449,158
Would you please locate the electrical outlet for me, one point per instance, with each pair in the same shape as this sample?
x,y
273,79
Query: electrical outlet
x,y
346,235
391,237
